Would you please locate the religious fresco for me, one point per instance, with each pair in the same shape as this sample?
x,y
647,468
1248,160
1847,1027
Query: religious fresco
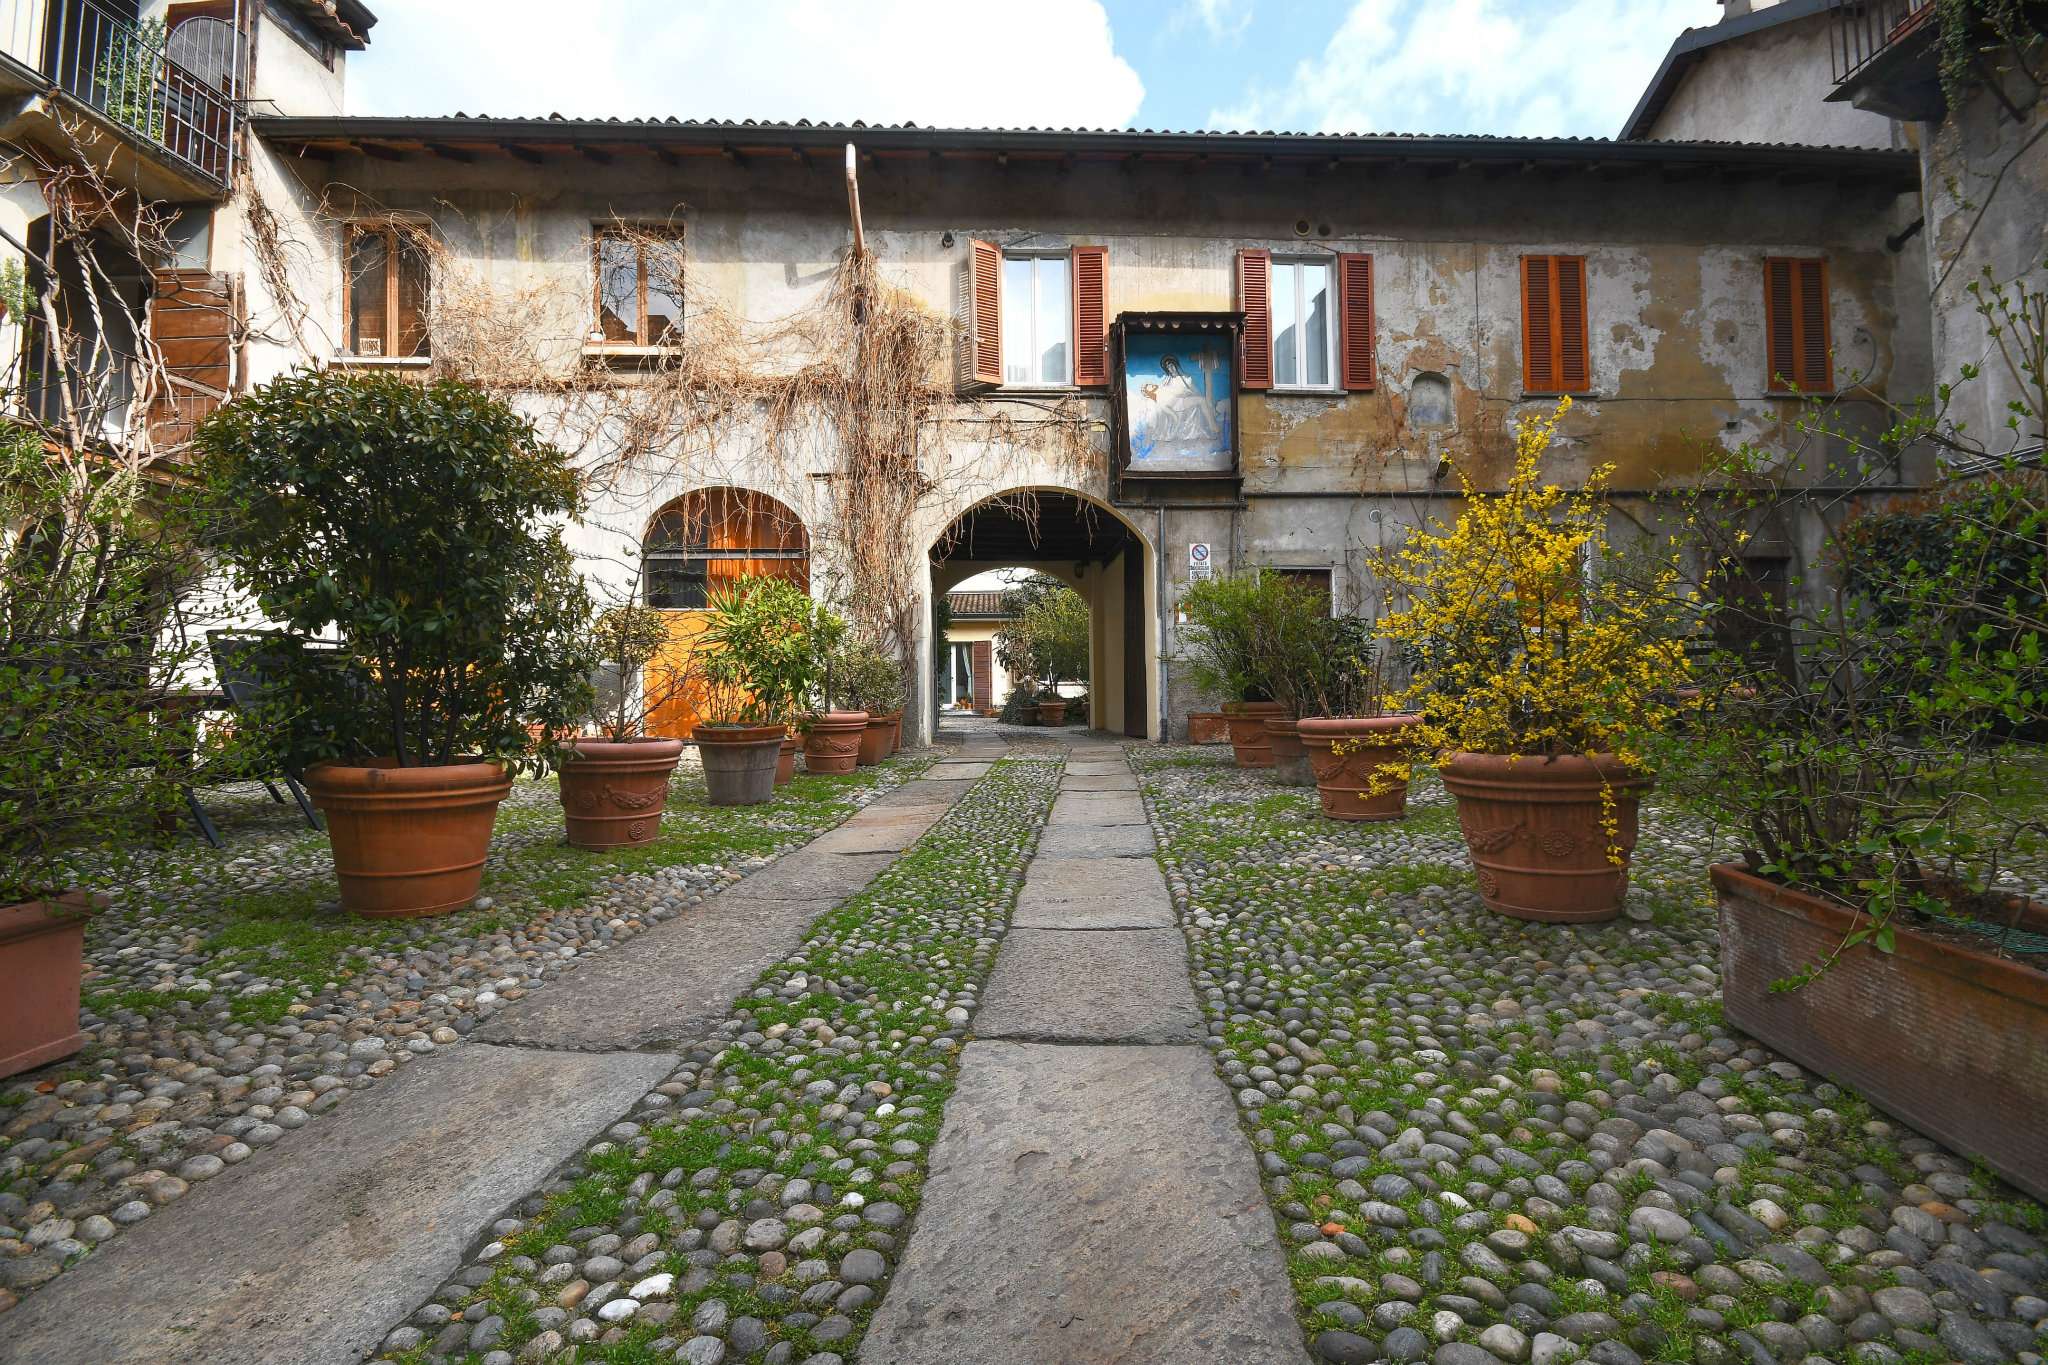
x,y
1177,397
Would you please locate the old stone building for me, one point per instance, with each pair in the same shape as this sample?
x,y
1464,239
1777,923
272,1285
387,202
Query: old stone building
x,y
1166,354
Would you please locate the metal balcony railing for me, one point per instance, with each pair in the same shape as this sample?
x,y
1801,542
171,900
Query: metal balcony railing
x,y
1863,29
180,92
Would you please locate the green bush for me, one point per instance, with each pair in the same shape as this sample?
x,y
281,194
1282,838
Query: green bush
x,y
870,678
1256,636
420,524
767,651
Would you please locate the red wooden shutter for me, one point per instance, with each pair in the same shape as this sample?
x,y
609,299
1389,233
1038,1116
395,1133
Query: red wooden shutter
x,y
1091,315
1354,291
984,675
1796,341
1255,297
1539,332
984,339
1574,372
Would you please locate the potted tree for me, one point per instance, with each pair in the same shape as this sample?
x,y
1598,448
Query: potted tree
x,y
1358,753
762,658
1539,679
1220,646
92,562
871,680
1292,634
614,785
419,524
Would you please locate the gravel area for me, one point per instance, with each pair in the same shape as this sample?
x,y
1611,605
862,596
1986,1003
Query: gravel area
x,y
752,1206
1489,1142
230,1001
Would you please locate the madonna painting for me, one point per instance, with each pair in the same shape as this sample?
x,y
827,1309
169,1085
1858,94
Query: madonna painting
x,y
1177,395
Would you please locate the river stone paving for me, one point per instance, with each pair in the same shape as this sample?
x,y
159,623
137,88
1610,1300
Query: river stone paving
x,y
753,1206
1493,1143
212,1038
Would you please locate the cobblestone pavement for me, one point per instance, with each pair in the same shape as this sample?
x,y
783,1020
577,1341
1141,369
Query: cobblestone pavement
x,y
1486,1141
230,1002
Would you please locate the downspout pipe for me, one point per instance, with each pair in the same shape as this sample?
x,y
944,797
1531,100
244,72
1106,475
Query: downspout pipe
x,y
860,241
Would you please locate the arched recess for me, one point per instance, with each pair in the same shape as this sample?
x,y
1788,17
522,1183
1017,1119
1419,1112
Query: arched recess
x,y
695,546
1096,550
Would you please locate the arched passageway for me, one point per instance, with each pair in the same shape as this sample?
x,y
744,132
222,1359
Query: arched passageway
x,y
1092,549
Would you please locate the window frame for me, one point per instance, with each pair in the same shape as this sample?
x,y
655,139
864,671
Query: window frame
x,y
684,558
394,231
1555,321
595,339
1332,333
1302,573
1066,256
1793,385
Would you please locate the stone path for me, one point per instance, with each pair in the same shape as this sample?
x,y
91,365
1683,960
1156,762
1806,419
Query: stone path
x,y
1091,1196
313,1255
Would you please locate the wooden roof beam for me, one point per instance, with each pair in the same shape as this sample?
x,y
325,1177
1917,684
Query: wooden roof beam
x,y
601,157
380,151
443,150
522,153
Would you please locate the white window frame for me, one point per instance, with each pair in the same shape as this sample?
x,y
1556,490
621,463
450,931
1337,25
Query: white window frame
x,y
1067,257
1330,326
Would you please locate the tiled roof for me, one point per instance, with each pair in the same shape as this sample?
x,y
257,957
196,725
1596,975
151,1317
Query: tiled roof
x,y
967,606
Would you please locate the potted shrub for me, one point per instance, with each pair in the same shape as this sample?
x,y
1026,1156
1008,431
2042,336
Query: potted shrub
x,y
91,562
870,680
614,785
1046,641
1358,753
1052,709
1291,640
1870,742
418,523
1220,645
762,658
1539,678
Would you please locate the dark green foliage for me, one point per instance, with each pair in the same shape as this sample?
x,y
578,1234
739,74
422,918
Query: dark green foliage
x,y
413,521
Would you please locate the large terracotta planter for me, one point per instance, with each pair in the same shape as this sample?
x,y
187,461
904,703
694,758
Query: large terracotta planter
x,y
408,841
1536,828
1290,759
42,959
785,759
1246,723
832,744
613,791
739,762
1345,782
874,741
1207,727
1946,1036
1052,713
896,730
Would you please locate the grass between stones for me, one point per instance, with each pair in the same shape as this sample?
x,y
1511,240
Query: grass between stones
x,y
1470,1128
774,1175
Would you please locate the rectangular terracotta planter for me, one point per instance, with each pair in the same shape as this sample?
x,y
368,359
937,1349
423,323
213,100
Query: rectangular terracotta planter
x,y
1206,727
42,959
1950,1039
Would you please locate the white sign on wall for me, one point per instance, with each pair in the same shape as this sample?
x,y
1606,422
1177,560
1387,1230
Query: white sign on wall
x,y
1199,565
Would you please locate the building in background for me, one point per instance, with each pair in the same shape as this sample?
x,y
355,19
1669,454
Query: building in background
x,y
971,678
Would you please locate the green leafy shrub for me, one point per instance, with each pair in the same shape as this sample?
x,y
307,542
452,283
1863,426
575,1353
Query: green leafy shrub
x,y
870,678
767,650
419,523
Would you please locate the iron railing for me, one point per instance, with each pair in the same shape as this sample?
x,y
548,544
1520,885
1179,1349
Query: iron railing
x,y
180,92
1863,29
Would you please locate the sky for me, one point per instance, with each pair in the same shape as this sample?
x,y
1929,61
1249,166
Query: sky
x,y
1537,68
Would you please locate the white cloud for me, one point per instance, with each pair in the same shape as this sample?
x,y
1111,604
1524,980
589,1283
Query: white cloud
x,y
883,61
1570,68
1222,20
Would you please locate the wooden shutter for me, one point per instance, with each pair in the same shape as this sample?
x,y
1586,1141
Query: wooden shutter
x,y
1091,315
1255,297
1554,351
1357,365
981,318
983,657
1796,325
194,317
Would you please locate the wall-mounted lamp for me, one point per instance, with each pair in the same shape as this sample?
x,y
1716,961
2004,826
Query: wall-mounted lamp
x,y
947,241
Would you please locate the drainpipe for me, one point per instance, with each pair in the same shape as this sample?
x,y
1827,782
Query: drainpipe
x,y
1159,577
860,244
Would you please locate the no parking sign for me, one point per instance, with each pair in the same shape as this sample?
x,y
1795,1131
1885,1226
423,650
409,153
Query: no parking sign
x,y
1199,566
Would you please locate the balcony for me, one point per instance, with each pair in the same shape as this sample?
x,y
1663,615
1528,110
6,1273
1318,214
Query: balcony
x,y
1886,58
174,99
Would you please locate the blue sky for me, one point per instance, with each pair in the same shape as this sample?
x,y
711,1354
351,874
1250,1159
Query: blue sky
x,y
1528,67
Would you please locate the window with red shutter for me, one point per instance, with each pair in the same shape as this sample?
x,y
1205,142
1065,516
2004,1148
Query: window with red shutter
x,y
1255,297
1796,339
1357,363
1555,356
981,317
1091,315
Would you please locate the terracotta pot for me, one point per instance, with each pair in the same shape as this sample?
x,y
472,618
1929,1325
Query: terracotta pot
x,y
1947,1036
613,791
739,762
42,960
408,841
832,744
1207,727
1536,830
1290,759
1345,782
874,741
1246,723
1052,713
785,761
896,730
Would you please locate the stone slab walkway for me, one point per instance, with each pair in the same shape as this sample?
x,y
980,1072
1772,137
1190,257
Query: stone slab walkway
x,y
313,1257
1091,1197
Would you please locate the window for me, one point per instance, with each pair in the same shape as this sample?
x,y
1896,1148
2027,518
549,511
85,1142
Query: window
x,y
1038,328
1554,352
639,287
704,540
1302,325
386,294
301,32
1796,326
1318,581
